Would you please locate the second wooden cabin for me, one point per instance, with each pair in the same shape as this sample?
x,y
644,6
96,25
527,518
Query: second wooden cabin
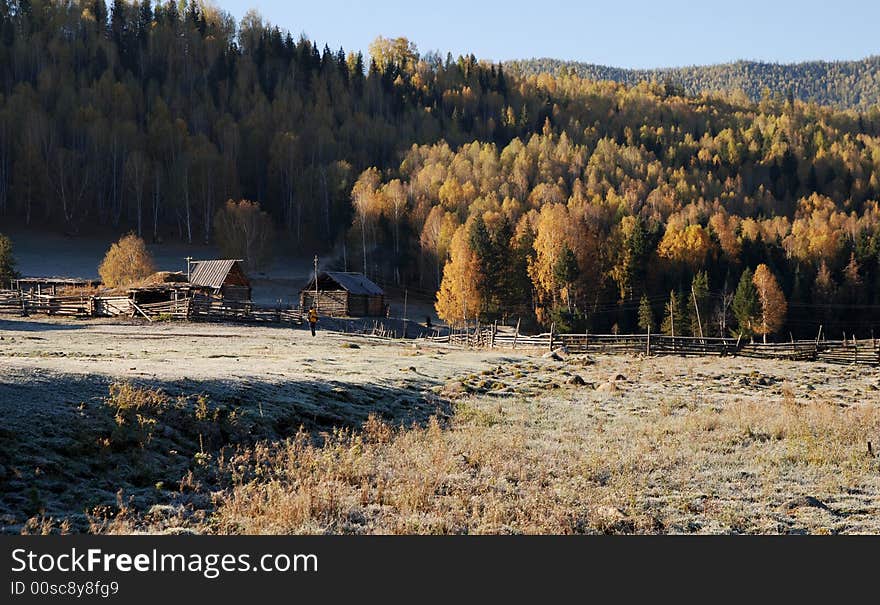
x,y
224,279
343,295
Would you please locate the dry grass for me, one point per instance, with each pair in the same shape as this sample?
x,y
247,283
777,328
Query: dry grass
x,y
519,444
557,466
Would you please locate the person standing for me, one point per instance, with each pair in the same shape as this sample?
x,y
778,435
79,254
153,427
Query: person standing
x,y
313,319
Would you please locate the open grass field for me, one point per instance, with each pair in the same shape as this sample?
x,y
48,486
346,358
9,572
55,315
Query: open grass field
x,y
207,428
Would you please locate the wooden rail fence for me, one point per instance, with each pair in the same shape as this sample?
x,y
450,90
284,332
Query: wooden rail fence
x,y
197,308
865,351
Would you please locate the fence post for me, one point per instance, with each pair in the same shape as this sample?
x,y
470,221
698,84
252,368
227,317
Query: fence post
x,y
516,334
494,330
648,349
552,326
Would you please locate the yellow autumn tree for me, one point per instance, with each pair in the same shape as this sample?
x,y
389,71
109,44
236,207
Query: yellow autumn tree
x,y
127,261
688,244
436,237
551,239
367,201
817,232
773,306
459,297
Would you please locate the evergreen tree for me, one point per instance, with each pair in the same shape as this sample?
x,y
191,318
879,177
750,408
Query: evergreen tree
x,y
699,304
824,296
675,316
480,243
99,11
566,272
646,315
7,262
745,304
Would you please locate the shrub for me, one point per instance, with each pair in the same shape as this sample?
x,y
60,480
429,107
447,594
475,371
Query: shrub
x,y
126,262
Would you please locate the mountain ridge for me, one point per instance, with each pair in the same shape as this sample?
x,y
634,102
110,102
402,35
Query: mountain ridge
x,y
845,84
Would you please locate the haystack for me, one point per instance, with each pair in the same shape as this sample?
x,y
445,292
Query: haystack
x,y
160,277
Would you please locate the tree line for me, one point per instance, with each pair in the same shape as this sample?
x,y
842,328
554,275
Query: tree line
x,y
842,84
149,116
553,198
635,204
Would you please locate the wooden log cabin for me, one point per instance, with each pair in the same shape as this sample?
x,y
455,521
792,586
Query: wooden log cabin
x,y
343,295
224,279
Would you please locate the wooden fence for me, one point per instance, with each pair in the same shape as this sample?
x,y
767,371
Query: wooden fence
x,y
198,308
865,351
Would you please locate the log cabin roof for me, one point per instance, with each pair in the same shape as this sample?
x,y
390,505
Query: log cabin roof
x,y
213,273
353,283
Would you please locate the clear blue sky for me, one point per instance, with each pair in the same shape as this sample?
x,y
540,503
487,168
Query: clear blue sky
x,y
638,33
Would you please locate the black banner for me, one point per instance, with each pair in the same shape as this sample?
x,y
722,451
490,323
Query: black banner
x,y
171,569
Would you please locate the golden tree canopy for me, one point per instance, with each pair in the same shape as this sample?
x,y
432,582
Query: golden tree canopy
x,y
459,297
685,244
772,301
127,262
555,230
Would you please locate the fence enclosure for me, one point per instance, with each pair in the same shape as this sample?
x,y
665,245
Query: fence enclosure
x,y
205,308
847,351
197,308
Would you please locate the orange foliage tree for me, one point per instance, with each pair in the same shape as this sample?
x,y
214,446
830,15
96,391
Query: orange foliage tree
x,y
772,301
127,261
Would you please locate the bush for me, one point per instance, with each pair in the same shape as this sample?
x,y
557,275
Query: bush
x,y
244,231
127,262
7,261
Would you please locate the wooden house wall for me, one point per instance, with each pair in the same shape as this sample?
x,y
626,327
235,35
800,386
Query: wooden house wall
x,y
237,277
333,303
376,306
339,303
235,292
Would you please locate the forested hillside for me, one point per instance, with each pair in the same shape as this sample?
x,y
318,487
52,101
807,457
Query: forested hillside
x,y
142,115
842,84
591,205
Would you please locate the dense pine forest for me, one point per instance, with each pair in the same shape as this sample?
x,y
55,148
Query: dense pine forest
x,y
552,198
842,84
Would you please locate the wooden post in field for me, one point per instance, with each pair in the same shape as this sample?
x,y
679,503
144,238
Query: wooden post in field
x,y
552,326
405,294
315,303
516,334
494,330
738,338
648,347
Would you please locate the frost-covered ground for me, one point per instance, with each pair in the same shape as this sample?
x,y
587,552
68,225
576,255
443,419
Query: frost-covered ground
x,y
523,444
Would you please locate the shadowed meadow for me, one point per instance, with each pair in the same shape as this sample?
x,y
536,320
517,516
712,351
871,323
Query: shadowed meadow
x,y
230,429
